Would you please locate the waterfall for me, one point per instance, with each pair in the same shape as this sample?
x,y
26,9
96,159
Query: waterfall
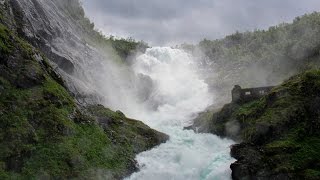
x,y
162,88
176,94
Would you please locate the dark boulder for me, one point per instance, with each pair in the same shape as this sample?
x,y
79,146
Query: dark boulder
x,y
30,77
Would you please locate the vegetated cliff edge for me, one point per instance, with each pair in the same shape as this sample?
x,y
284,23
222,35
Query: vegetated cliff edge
x,y
44,133
85,58
279,133
261,57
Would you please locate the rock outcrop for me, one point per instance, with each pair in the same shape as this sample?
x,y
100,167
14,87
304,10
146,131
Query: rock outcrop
x,y
278,133
60,30
44,132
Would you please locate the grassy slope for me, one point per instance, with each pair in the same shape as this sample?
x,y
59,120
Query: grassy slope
x,y
263,57
280,131
283,128
42,131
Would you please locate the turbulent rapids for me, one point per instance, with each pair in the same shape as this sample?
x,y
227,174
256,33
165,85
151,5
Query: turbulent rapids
x,y
76,103
161,87
176,95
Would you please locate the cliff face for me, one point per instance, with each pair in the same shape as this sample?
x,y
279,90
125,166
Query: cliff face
x,y
279,133
44,132
85,58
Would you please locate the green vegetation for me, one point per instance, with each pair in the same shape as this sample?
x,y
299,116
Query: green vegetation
x,y
5,46
32,119
122,48
284,127
119,48
294,42
279,132
263,57
43,134
125,47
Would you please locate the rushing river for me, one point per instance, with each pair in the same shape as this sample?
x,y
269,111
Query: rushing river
x,y
162,88
177,94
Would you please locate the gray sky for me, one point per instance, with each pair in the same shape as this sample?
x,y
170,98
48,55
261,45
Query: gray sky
x,y
171,22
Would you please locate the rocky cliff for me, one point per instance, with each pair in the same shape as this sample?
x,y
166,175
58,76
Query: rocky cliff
x,y
45,133
278,134
85,58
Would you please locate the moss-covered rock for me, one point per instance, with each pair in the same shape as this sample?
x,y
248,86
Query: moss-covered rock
x,y
5,46
44,134
280,132
131,132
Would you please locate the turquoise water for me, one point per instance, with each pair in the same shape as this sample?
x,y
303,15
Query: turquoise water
x,y
178,93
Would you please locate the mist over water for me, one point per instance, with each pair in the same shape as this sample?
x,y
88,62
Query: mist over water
x,y
162,88
174,94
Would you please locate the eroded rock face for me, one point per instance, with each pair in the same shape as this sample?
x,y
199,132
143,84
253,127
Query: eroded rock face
x,y
249,154
44,133
122,130
278,134
36,23
275,128
29,78
93,68
250,164
56,32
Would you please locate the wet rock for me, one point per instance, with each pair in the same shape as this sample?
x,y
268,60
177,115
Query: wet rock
x,y
63,63
250,164
30,77
120,113
188,128
14,163
104,121
240,171
263,132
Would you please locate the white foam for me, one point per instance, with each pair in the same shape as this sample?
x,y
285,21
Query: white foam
x,y
180,94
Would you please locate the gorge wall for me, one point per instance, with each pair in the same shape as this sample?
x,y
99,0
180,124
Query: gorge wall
x,y
46,132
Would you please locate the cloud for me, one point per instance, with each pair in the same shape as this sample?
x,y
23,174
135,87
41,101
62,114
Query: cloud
x,y
170,22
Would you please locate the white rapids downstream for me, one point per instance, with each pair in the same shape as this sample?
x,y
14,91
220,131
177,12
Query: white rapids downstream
x,y
162,88
177,95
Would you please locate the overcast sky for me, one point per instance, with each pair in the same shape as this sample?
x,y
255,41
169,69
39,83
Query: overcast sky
x,y
171,22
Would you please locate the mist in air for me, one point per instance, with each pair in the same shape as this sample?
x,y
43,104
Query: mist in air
x,y
166,87
170,64
163,88
177,94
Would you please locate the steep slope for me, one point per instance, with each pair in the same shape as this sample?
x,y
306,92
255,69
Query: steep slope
x,y
279,132
262,57
85,58
43,132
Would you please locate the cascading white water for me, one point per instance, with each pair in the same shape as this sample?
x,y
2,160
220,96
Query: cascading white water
x,y
166,94
177,94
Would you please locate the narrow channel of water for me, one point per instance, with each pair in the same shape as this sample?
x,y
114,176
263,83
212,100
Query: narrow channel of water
x,y
177,93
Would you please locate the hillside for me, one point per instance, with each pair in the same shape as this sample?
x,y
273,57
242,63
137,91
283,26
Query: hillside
x,y
279,133
262,57
44,132
62,83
